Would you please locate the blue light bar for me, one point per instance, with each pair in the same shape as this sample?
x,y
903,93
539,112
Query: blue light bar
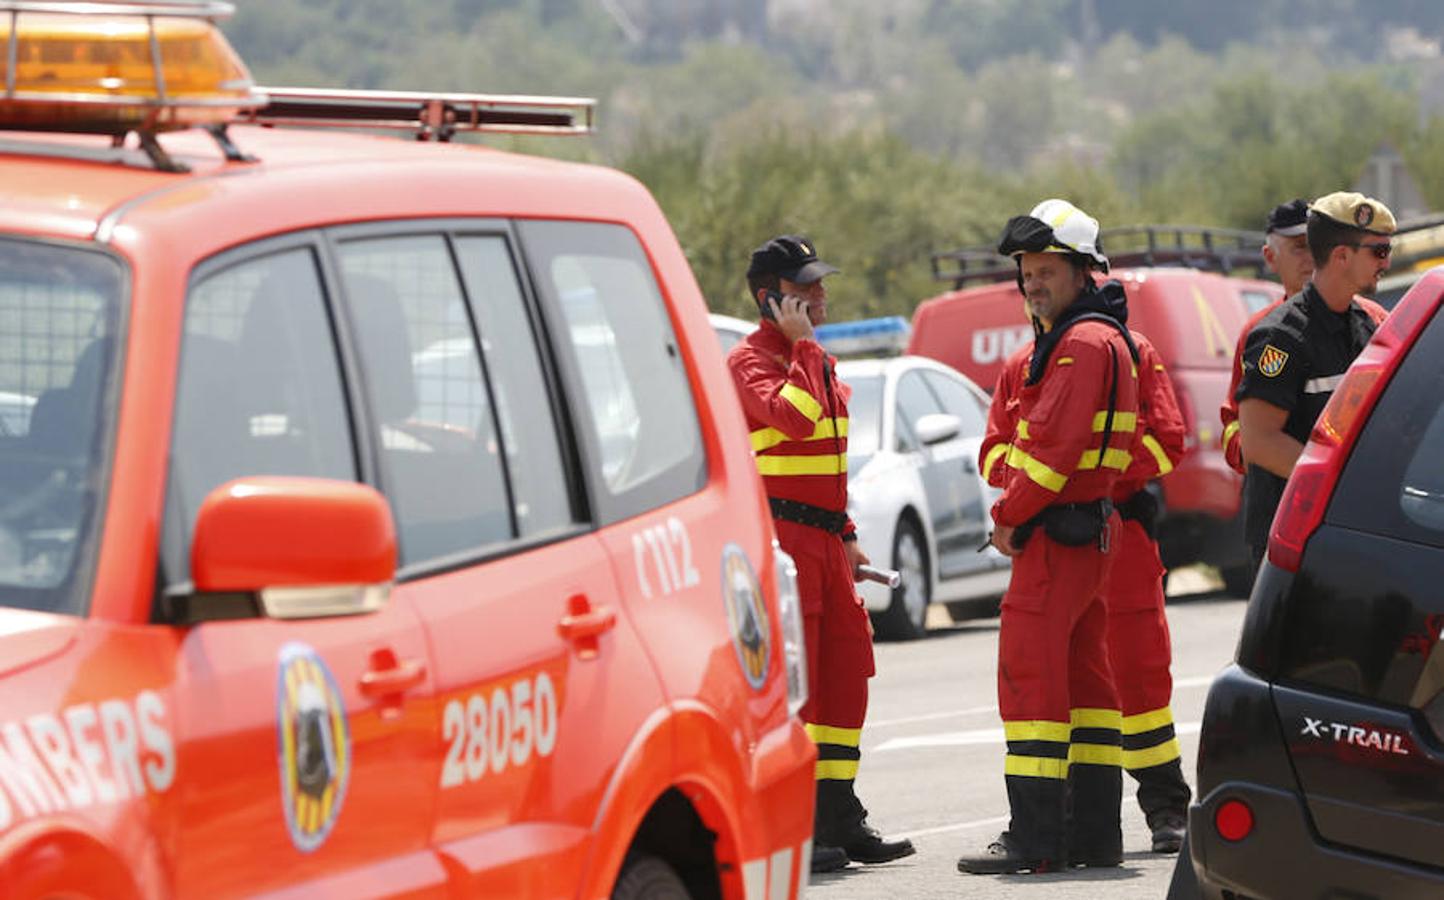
x,y
887,335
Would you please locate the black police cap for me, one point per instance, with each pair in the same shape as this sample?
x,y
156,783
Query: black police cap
x,y
789,256
1288,219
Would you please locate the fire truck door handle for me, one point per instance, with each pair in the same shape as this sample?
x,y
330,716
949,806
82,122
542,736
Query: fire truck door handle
x,y
396,678
584,622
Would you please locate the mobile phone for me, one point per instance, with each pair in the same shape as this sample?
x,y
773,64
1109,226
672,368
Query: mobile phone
x,y
766,308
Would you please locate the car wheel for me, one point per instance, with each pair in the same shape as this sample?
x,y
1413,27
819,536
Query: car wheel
x,y
649,878
906,617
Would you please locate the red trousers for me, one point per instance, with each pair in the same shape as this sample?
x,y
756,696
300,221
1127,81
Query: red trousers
x,y
1139,650
1052,642
839,636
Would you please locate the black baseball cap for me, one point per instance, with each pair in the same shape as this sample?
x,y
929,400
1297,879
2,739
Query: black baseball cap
x,y
1288,219
789,256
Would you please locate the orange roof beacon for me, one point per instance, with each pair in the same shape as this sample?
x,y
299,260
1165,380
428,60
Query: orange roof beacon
x,y
376,516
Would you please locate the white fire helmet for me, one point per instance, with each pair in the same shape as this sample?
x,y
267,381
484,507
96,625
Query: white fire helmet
x,y
1073,229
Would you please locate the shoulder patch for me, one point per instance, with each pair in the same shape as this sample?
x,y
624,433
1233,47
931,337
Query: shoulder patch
x,y
1272,360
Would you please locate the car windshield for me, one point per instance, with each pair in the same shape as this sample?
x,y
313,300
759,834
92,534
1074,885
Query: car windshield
x,y
59,311
864,413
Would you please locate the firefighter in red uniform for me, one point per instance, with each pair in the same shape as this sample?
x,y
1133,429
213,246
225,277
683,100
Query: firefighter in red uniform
x,y
1070,429
1286,251
797,415
1139,649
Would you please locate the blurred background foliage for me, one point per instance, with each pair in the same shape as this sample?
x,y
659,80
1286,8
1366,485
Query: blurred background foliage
x,y
890,131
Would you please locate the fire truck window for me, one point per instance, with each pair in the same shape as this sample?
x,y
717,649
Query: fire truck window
x,y
629,381
541,500
441,466
259,390
60,315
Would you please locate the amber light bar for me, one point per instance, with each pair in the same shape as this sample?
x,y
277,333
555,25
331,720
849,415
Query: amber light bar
x,y
435,116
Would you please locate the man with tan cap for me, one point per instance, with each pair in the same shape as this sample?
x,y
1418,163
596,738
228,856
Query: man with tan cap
x,y
1297,354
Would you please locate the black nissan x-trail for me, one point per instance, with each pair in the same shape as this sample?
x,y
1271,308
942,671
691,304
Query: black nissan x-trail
x,y
1321,760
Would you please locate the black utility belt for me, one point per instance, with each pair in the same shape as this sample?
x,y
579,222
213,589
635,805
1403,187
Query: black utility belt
x,y
1142,508
807,514
1070,524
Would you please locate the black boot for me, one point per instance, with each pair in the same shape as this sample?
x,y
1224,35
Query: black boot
x,y
1163,796
827,859
842,822
1004,857
1095,834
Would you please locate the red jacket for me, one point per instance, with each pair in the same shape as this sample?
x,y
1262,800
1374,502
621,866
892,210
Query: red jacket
x,y
1043,440
1161,437
797,416
1228,413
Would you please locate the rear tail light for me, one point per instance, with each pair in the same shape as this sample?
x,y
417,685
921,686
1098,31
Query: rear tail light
x,y
1311,484
1233,820
789,611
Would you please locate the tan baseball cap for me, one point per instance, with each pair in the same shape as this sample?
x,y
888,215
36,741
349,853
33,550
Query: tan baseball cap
x,y
1356,211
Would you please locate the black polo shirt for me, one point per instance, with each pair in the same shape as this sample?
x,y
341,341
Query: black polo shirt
x,y
1294,358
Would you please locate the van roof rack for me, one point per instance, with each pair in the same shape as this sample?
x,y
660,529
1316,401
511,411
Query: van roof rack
x,y
1223,250
430,116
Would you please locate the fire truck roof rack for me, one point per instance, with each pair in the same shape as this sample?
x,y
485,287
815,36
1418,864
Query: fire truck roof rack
x,y
431,116
1223,250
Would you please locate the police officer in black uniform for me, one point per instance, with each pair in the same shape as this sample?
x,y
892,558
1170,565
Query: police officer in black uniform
x,y
1296,355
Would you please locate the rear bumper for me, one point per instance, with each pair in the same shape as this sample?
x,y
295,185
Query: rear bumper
x,y
1282,857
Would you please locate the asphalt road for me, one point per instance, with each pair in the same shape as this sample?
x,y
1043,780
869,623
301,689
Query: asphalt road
x,y
932,760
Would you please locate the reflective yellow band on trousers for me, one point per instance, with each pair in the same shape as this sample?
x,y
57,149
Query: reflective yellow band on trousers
x,y
1036,766
1044,476
826,464
802,401
1095,754
1137,724
1038,730
1164,464
767,438
1085,717
837,769
996,453
1153,756
827,734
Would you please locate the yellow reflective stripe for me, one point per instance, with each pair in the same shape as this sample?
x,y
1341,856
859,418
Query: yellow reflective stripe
x,y
1022,429
1230,431
1122,421
802,465
1085,717
802,401
1035,767
827,734
767,438
1038,730
838,769
1039,472
1065,361
1148,721
1113,459
1165,465
1095,754
1154,756
996,453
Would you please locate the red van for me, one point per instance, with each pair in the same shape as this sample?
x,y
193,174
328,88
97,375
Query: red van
x,y
1192,315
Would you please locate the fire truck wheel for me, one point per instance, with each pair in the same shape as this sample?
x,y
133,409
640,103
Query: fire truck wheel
x,y
906,617
648,878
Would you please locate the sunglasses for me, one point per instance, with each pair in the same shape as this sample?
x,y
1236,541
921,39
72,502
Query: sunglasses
x,y
1380,251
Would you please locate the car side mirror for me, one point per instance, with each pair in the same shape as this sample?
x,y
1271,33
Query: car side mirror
x,y
934,428
290,548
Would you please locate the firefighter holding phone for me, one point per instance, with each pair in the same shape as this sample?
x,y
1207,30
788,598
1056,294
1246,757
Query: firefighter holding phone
x,y
796,410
